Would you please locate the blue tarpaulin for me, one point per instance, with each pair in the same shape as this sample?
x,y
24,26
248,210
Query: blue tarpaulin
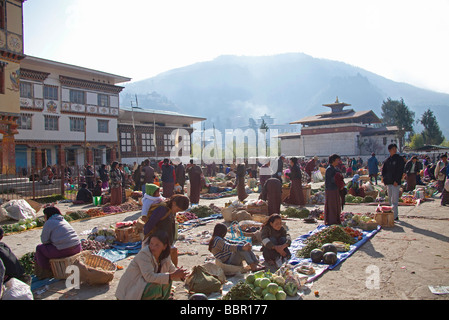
x,y
120,251
298,243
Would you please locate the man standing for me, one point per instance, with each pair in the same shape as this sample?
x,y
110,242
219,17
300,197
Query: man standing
x,y
195,173
147,174
373,167
411,170
279,168
392,172
272,193
180,173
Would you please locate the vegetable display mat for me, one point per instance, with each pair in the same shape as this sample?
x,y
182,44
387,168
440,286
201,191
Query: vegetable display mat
x,y
298,243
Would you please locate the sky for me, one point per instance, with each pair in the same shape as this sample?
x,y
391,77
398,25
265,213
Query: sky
x,y
402,40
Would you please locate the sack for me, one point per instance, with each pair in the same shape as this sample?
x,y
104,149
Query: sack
x,y
19,209
17,290
201,281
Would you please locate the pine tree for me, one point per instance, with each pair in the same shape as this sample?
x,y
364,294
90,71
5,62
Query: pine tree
x,y
432,134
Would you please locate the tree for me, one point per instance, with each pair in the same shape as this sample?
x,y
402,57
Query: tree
x,y
432,134
416,141
396,113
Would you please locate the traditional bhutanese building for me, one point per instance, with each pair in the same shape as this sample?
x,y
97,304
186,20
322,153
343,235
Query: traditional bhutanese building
x,y
342,131
138,128
11,53
68,115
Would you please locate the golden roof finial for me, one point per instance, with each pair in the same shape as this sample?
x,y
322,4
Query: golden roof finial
x,y
336,101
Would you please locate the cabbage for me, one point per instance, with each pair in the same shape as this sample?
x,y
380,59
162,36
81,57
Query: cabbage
x,y
281,295
250,278
272,288
279,280
269,296
264,282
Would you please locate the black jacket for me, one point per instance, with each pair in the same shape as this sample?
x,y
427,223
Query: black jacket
x,y
393,169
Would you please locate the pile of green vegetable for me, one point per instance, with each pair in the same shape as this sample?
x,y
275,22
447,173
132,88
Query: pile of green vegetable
x,y
326,235
262,285
27,263
23,224
202,211
76,215
301,213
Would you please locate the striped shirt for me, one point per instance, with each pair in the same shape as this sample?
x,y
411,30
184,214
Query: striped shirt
x,y
222,249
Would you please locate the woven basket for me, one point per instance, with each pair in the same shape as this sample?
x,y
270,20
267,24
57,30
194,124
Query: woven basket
x,y
95,269
257,209
59,266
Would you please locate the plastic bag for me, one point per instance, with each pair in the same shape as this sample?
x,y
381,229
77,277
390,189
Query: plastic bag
x,y
19,209
17,290
317,176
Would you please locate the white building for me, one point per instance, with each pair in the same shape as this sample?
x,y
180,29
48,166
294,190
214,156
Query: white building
x,y
342,131
68,114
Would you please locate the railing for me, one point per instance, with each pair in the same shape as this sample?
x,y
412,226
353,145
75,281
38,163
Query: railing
x,y
31,183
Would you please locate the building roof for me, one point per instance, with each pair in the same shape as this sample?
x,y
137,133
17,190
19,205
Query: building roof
x,y
338,115
144,115
30,62
379,131
350,116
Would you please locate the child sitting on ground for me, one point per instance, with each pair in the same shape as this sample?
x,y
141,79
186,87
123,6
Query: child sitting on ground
x,y
231,252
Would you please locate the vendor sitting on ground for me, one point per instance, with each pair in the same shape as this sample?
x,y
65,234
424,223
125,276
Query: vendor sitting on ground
x,y
98,190
150,274
152,196
232,252
13,268
275,240
84,194
354,187
59,240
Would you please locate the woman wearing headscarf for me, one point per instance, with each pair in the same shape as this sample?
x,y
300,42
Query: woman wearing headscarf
x,y
296,196
354,187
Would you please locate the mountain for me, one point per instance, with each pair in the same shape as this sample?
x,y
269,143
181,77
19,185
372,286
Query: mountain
x,y
230,89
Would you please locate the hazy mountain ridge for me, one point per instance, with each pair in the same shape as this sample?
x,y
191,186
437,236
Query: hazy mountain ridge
x,y
230,89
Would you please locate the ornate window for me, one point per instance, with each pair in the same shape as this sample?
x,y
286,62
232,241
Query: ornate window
x,y
125,141
51,123
77,96
103,126
24,122
103,100
26,90
148,142
50,92
77,124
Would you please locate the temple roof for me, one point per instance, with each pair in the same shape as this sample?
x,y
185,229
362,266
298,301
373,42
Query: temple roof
x,y
338,115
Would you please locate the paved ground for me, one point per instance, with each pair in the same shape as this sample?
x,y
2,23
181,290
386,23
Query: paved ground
x,y
408,258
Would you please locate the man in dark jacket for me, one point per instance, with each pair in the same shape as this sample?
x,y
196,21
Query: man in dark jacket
x,y
392,173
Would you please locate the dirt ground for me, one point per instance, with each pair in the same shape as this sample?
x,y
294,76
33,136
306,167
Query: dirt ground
x,y
408,258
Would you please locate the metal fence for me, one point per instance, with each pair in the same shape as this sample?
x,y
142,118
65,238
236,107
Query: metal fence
x,y
56,181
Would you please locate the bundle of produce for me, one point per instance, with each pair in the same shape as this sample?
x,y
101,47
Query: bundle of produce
x,y
182,217
125,224
317,198
103,235
349,198
267,286
93,245
129,206
408,199
77,215
202,211
94,212
241,291
291,212
112,209
326,235
27,263
353,220
22,225
316,213
354,233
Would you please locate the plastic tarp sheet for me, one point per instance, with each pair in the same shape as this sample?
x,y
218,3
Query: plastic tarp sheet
x,y
298,243
120,251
